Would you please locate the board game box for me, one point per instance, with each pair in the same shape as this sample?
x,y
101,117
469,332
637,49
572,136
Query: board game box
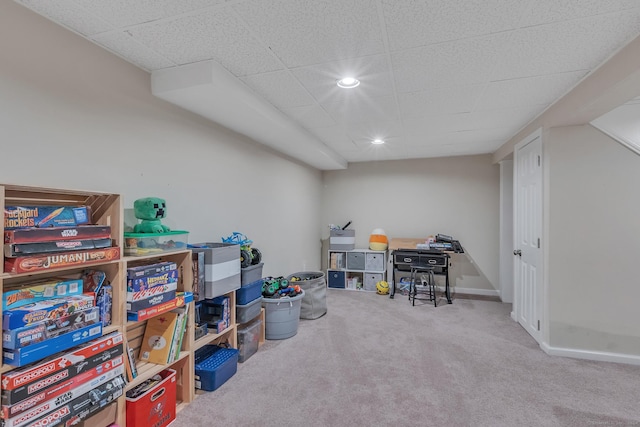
x,y
150,269
13,250
146,282
31,264
35,352
54,234
45,216
51,328
41,290
153,300
18,378
50,309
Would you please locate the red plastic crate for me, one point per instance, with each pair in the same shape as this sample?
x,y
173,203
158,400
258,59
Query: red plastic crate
x,y
157,406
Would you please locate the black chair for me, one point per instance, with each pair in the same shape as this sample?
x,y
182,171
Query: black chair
x,y
423,282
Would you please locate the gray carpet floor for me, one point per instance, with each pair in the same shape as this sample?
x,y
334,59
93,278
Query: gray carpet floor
x,y
373,361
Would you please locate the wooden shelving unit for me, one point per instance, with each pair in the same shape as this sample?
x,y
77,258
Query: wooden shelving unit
x,y
107,209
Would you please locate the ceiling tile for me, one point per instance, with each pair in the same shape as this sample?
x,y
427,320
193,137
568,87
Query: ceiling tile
x,y
122,13
412,23
567,46
310,117
361,110
548,11
462,137
305,32
373,153
69,14
372,71
368,131
216,35
123,45
527,91
280,88
457,99
459,63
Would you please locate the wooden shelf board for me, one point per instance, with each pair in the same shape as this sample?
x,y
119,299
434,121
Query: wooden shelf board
x,y
200,342
132,259
147,370
180,406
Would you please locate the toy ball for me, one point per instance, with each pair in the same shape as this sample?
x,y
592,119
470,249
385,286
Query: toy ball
x,y
378,240
382,287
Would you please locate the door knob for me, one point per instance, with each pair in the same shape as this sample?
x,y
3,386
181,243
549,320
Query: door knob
x,y
517,252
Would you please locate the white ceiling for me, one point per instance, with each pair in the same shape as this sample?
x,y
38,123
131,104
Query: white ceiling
x,y
439,77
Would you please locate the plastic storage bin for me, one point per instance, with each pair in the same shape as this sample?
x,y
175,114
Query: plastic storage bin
x,y
141,409
248,293
251,274
221,267
342,240
138,244
214,365
247,312
248,340
282,316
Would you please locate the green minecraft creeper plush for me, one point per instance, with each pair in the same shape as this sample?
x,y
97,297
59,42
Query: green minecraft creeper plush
x,y
150,210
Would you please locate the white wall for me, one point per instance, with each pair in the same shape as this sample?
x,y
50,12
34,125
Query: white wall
x,y
74,116
458,196
594,242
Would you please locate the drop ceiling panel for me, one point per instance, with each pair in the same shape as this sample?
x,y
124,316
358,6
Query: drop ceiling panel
x,y
372,71
67,13
539,90
548,11
363,109
458,99
280,88
459,63
567,46
412,23
123,44
438,77
305,32
213,34
138,12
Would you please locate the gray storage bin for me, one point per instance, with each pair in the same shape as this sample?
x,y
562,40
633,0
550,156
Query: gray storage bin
x,y
221,267
342,240
282,316
314,303
374,261
370,280
247,312
248,339
355,260
251,274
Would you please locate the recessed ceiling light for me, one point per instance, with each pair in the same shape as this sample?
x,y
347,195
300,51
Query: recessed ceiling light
x,y
348,82
377,141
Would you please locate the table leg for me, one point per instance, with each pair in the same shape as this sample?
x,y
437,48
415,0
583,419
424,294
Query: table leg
x,y
447,290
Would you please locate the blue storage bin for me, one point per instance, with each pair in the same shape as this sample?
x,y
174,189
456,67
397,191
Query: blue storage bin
x,y
214,366
248,293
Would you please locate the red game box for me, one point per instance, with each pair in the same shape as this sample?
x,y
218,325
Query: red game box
x,y
31,264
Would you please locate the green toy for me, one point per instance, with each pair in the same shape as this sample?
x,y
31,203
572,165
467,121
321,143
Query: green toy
x,y
150,210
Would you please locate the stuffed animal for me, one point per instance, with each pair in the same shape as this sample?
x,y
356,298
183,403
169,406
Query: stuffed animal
x,y
150,210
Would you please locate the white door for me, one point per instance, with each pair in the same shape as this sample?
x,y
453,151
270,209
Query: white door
x,y
528,233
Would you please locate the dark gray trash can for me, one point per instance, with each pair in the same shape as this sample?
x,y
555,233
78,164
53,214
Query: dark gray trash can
x,y
314,303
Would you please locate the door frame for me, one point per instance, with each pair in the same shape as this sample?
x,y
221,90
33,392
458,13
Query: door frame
x,y
541,291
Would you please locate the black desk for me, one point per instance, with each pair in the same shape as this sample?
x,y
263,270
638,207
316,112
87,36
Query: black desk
x,y
404,258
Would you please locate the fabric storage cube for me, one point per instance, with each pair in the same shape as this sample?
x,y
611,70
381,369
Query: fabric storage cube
x,y
248,293
214,365
248,339
370,280
374,261
336,279
355,260
342,240
141,409
251,274
247,312
221,267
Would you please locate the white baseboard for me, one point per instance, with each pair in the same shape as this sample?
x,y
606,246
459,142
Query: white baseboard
x,y
473,291
513,316
599,356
